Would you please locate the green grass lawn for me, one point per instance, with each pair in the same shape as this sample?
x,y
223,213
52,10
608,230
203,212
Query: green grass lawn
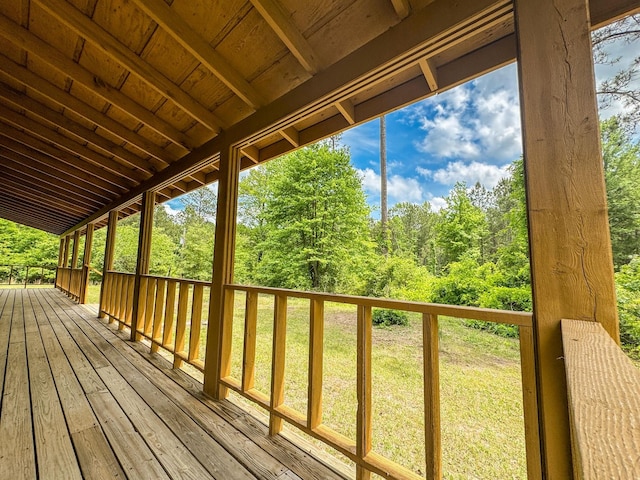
x,y
481,393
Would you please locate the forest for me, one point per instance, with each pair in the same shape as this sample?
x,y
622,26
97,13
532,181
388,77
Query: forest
x,y
304,223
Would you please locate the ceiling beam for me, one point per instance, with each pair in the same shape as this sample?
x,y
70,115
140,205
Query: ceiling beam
x,y
252,153
108,180
46,226
348,111
23,38
89,30
93,186
36,209
291,135
31,174
24,76
25,102
280,22
71,146
14,185
430,73
175,26
402,8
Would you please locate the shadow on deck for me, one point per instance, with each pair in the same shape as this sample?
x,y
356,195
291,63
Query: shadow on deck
x,y
80,402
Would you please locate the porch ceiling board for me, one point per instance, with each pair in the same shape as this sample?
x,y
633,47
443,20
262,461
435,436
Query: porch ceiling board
x,y
117,97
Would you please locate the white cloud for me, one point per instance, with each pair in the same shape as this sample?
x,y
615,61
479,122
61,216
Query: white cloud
x,y
437,203
399,189
478,120
171,211
487,175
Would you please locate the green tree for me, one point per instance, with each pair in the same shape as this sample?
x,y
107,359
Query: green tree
x,y
310,220
460,228
622,175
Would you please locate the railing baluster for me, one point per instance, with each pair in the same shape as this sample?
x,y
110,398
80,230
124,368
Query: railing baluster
x,y
120,297
157,315
226,342
316,337
148,310
278,360
249,351
169,311
196,322
530,404
142,303
181,323
363,423
129,306
431,366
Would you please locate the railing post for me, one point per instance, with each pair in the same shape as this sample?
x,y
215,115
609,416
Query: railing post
x,y
60,260
363,378
144,255
431,365
224,251
86,260
571,259
316,355
278,361
108,256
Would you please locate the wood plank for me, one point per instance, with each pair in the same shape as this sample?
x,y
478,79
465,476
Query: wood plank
x,y
199,48
431,374
278,356
169,311
249,344
363,379
17,453
280,22
107,264
316,356
181,322
102,39
604,403
23,38
6,300
530,403
158,314
196,322
143,262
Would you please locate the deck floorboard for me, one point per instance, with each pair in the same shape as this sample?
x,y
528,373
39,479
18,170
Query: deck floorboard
x,y
78,401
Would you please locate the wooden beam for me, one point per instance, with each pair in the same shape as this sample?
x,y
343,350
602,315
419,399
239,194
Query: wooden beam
x,y
106,179
223,257
571,259
23,38
44,168
47,225
83,26
348,111
430,73
58,198
252,153
24,76
402,8
175,26
70,145
143,261
22,101
36,209
291,135
280,22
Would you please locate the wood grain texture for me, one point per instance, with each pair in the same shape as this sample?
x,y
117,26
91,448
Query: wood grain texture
x,y
316,356
571,260
363,379
431,355
604,403
249,344
278,357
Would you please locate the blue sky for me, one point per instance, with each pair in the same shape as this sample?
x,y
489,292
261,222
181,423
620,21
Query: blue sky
x,y
470,133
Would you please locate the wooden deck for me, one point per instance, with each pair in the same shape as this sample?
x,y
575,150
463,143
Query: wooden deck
x,y
80,402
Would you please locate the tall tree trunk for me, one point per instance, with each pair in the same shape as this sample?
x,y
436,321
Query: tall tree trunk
x,y
383,182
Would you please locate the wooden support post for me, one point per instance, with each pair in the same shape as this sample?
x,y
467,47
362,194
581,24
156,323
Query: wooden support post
x,y
223,255
65,254
433,444
278,356
571,260
60,260
143,261
316,355
108,256
86,261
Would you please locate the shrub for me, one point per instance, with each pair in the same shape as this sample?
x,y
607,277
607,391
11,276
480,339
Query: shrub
x,y
383,317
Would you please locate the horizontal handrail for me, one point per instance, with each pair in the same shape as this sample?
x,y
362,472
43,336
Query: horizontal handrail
x,y
603,388
472,313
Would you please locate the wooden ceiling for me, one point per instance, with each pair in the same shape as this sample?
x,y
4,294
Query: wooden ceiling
x,y
101,100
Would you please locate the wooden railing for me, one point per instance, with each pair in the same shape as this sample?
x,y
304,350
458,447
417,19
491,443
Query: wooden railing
x,y
70,281
603,387
359,449
26,275
170,312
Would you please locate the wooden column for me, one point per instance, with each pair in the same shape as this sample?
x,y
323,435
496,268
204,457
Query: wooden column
x,y
108,255
86,262
65,253
571,261
76,249
223,256
144,256
60,260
